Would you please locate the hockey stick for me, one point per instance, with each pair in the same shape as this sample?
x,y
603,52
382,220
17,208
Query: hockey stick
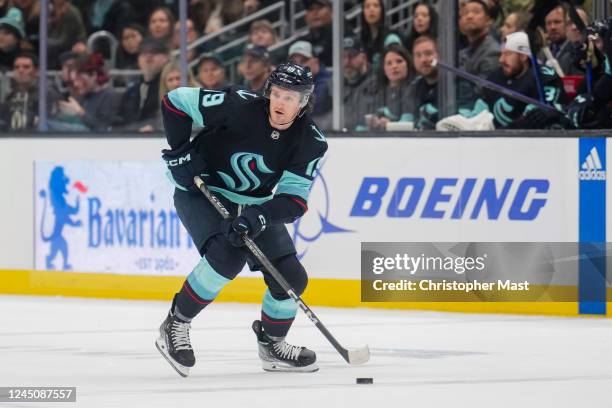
x,y
354,356
581,26
492,85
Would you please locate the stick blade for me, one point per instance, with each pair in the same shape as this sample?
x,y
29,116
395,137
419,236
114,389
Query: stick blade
x,y
359,355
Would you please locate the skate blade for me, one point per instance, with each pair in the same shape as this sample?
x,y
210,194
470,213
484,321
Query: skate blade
x,y
181,369
284,368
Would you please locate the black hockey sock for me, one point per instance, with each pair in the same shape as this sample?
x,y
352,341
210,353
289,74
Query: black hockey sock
x,y
275,327
188,304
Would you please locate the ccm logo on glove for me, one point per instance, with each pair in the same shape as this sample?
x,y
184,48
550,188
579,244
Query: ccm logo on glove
x,y
179,161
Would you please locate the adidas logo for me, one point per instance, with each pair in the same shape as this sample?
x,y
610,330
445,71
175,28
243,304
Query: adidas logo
x,y
592,169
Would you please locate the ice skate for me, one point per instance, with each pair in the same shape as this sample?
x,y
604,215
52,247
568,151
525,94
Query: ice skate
x,y
173,343
278,355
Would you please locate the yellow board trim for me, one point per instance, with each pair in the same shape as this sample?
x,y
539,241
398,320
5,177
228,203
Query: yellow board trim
x,y
320,292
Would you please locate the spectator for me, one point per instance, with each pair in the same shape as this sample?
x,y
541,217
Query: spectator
x,y
192,35
171,78
65,87
556,30
424,22
11,35
127,52
108,15
391,102
319,20
95,106
374,35
573,34
211,15
30,9
423,91
358,82
250,6
496,13
481,56
255,66
20,109
161,25
140,102
516,21
301,53
211,74
516,73
66,28
262,33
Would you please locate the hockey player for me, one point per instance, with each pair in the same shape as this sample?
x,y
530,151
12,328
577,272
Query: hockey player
x,y
250,144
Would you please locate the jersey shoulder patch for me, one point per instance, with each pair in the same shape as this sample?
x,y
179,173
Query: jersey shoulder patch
x,y
314,132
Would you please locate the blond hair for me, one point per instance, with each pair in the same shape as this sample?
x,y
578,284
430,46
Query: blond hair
x,y
173,65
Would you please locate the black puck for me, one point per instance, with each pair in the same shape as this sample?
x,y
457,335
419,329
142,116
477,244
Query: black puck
x,y
365,381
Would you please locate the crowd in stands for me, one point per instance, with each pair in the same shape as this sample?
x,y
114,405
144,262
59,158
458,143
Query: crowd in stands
x,y
389,75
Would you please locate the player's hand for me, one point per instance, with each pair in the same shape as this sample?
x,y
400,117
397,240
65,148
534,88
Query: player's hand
x,y
579,112
251,222
184,164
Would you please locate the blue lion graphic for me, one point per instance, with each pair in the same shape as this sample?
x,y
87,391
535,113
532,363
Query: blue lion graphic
x,y
62,212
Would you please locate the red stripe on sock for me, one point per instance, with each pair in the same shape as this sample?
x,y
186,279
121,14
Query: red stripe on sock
x,y
194,296
301,203
171,108
275,321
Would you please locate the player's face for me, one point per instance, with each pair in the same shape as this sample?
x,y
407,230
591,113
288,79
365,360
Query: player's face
x,y
555,25
421,19
424,53
284,105
512,63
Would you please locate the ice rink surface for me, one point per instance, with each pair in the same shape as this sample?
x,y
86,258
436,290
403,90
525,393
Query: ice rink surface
x,y
419,359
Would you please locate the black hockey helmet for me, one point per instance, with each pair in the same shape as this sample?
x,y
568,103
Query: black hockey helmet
x,y
293,77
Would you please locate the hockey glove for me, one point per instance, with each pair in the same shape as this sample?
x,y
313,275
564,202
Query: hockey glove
x,y
541,119
252,222
184,164
580,112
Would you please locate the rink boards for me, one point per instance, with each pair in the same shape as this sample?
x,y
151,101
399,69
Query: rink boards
x,y
124,240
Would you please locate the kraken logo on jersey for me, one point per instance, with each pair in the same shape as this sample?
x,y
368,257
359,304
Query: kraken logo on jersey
x,y
501,109
243,164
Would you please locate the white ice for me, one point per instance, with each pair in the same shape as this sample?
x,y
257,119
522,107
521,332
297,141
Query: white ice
x,y
419,359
